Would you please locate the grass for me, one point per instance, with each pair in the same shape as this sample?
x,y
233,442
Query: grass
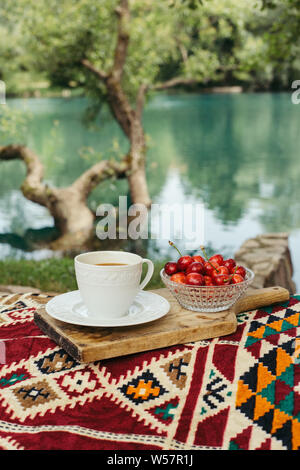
x,y
52,275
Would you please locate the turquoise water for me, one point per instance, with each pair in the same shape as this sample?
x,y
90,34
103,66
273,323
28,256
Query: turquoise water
x,y
238,155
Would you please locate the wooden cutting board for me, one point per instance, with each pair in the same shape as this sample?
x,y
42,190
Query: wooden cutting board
x,y
179,326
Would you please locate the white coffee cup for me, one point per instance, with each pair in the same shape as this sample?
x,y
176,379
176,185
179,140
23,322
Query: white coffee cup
x,y
108,291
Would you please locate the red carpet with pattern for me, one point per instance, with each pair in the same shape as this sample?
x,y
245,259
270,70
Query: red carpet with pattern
x,y
237,392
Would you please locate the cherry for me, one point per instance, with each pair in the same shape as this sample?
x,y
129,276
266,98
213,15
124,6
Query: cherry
x,y
195,279
198,271
198,259
213,265
236,279
208,281
171,268
229,264
222,279
179,277
184,261
195,268
210,268
217,259
221,270
239,270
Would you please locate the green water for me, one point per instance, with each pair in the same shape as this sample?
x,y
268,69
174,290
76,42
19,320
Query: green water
x,y
236,154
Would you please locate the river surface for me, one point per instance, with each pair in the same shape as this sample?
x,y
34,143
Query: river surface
x,y
236,155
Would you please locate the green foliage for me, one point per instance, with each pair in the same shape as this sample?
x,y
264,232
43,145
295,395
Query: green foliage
x,y
13,125
214,37
213,41
283,37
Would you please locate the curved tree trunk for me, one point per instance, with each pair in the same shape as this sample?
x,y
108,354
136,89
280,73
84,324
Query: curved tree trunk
x,y
137,176
130,121
72,217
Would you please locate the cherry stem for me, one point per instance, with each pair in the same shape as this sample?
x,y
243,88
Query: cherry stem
x,y
231,275
233,272
206,257
174,246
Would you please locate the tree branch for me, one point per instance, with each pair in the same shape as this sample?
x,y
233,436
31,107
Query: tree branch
x,y
116,97
33,188
175,82
99,73
182,50
99,172
140,99
123,13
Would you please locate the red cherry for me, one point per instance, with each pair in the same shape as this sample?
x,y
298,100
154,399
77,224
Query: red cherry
x,y
217,259
195,268
210,268
198,259
171,268
221,270
184,262
178,277
208,281
222,280
236,279
229,264
239,270
195,279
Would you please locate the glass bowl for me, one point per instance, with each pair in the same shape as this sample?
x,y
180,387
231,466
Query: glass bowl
x,y
207,298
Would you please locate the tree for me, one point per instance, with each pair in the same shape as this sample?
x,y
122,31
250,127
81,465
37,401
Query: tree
x,y
115,55
68,205
119,51
282,39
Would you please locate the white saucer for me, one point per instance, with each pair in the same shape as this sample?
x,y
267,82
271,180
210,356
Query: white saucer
x,y
70,308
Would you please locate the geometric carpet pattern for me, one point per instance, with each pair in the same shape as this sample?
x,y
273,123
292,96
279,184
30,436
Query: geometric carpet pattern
x,y
237,392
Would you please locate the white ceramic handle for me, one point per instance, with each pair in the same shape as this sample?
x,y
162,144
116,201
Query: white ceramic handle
x,y
149,273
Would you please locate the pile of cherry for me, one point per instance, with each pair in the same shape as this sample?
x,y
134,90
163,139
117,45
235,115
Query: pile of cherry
x,y
199,271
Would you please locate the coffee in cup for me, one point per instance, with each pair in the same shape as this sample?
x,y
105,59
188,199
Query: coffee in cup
x,y
109,281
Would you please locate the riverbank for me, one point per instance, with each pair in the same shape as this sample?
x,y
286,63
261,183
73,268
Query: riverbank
x,y
44,91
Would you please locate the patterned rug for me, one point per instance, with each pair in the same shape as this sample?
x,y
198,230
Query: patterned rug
x,y
237,392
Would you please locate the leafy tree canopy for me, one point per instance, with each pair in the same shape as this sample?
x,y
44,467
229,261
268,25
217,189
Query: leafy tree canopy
x,y
211,42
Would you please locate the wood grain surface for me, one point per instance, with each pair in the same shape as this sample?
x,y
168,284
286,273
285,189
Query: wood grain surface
x,y
179,326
